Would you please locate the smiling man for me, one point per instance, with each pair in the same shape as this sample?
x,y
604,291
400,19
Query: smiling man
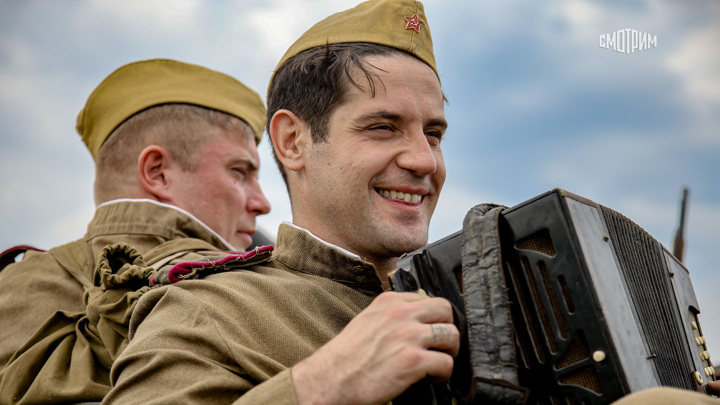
x,y
371,183
356,117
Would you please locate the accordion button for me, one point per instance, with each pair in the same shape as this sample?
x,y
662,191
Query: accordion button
x,y
694,325
698,377
598,356
708,371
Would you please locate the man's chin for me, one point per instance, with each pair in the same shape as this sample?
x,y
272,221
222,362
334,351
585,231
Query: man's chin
x,y
406,244
242,241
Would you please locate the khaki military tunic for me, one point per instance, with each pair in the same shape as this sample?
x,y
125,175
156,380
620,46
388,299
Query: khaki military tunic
x,y
37,289
233,337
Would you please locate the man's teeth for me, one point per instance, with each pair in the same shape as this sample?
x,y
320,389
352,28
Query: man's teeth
x,y
399,195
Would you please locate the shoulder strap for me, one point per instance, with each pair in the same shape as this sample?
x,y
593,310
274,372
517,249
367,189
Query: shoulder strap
x,y
211,264
8,256
164,253
77,259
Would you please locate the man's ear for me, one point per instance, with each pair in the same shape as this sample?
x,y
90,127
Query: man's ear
x,y
290,138
153,165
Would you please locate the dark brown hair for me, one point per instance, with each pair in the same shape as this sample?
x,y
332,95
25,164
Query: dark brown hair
x,y
312,83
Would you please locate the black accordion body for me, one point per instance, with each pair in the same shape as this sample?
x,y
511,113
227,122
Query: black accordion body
x,y
600,309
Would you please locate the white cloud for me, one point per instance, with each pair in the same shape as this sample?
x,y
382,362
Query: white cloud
x,y
173,15
698,63
278,24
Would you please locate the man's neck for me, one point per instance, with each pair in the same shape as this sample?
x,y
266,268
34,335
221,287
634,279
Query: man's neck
x,y
382,266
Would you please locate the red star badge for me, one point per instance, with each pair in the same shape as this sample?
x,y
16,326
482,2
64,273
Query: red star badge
x,y
414,23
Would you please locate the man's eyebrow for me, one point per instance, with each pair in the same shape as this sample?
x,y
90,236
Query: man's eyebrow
x,y
439,122
380,114
388,115
251,164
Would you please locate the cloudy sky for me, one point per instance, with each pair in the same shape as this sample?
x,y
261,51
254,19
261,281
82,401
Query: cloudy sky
x,y
535,104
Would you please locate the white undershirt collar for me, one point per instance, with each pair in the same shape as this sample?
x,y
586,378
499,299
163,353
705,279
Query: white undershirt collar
x,y
347,252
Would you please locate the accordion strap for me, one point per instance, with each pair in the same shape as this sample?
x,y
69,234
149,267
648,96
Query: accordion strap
x,y
487,311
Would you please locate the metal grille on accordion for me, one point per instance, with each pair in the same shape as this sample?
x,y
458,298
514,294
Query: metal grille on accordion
x,y
600,309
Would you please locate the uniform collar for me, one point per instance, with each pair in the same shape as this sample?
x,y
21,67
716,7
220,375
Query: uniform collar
x,y
143,216
304,252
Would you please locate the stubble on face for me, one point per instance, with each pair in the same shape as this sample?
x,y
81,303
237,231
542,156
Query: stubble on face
x,y
374,184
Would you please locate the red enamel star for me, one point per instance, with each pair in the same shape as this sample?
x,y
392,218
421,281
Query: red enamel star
x,y
414,22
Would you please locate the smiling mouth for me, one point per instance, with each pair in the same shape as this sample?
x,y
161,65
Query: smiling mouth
x,y
400,196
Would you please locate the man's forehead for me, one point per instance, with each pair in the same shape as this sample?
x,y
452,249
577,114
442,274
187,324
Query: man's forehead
x,y
379,64
237,146
379,69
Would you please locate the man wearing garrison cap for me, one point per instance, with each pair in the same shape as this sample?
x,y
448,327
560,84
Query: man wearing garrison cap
x,y
355,115
356,118
175,150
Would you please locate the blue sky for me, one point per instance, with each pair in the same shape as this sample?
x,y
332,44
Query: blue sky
x,y
535,103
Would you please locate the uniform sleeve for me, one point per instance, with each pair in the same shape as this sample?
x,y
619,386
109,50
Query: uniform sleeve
x,y
30,292
185,348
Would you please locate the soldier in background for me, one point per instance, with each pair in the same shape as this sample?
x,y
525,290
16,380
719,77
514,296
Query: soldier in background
x,y
175,150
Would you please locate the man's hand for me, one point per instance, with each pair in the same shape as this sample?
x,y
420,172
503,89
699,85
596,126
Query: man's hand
x,y
399,339
714,387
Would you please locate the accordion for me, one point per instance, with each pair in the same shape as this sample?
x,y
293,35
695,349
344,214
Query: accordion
x,y
599,308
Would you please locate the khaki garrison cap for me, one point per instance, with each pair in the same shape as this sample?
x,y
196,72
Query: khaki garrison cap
x,y
398,24
139,85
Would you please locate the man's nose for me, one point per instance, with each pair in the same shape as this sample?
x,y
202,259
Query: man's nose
x,y
418,156
257,203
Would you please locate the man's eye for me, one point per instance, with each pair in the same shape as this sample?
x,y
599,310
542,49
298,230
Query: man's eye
x,y
434,137
382,127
